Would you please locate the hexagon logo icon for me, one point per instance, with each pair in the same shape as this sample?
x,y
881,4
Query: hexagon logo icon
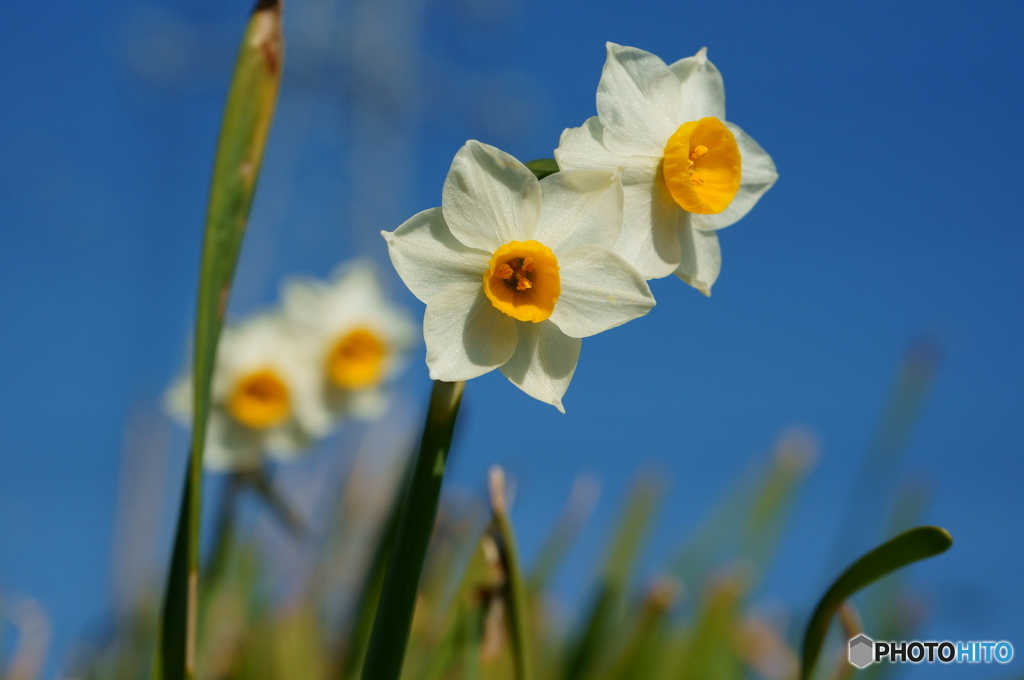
x,y
862,651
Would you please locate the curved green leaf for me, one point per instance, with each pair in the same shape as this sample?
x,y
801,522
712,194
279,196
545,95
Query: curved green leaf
x,y
910,546
515,584
243,135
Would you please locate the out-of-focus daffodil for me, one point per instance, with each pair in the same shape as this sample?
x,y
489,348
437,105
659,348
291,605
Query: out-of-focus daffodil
x,y
686,171
265,396
357,338
515,271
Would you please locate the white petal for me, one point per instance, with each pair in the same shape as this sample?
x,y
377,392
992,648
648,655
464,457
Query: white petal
x,y
702,258
310,409
428,257
649,240
599,291
580,206
489,198
465,335
758,177
178,400
544,362
301,299
582,148
702,88
638,102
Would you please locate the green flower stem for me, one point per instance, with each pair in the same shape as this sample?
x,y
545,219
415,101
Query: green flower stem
x,y
390,634
243,135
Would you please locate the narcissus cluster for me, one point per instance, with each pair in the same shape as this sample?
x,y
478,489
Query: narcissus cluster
x,y
515,271
285,378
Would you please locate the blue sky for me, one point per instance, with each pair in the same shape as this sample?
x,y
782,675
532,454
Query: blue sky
x,y
896,131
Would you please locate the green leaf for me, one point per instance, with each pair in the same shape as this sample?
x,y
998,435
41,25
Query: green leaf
x,y
386,651
515,584
910,546
247,117
369,596
582,499
608,605
710,648
542,167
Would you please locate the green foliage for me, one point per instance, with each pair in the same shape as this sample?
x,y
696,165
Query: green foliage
x,y
476,616
469,613
247,117
908,547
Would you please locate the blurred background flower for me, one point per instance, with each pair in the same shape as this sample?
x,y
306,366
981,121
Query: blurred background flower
x,y
265,396
108,118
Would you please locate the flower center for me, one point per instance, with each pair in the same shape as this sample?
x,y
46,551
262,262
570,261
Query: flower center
x,y
260,400
701,166
522,280
357,360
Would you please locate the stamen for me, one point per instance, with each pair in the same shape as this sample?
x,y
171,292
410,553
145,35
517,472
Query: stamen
x,y
504,272
701,166
524,283
528,264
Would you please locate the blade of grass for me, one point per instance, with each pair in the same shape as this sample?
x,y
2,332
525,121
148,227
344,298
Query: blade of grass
x,y
908,547
709,653
515,584
542,167
794,454
390,635
482,583
872,493
612,586
247,117
369,598
642,650
582,499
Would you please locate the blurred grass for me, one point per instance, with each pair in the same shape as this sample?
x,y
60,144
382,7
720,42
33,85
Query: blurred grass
x,y
476,614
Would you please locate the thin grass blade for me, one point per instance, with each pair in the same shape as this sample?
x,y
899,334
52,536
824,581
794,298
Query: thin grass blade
x,y
515,583
612,587
247,118
369,598
582,499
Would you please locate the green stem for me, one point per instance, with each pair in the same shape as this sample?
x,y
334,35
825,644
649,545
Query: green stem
x,y
390,634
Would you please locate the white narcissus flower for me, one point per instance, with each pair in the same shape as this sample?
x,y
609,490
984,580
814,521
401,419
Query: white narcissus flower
x,y
357,338
264,396
515,271
687,171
